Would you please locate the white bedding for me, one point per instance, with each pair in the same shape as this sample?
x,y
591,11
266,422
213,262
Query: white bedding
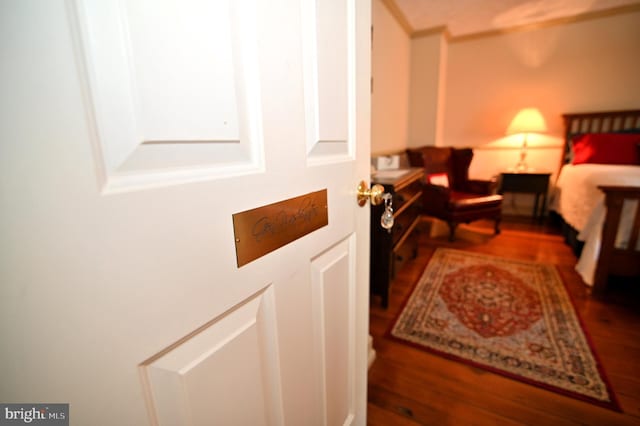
x,y
581,204
577,192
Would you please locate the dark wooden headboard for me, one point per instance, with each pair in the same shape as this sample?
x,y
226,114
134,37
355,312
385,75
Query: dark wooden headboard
x,y
624,121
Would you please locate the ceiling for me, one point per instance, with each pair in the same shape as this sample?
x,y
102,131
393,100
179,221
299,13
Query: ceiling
x,y
466,17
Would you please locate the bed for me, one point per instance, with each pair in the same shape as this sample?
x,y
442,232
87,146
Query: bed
x,y
597,194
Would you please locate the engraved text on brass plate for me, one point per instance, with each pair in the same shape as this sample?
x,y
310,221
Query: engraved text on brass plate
x,y
264,229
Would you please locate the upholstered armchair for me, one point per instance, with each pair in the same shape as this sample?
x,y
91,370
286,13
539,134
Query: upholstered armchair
x,y
448,193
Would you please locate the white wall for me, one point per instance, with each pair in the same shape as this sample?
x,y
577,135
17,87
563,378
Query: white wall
x,y
391,51
585,65
463,92
428,72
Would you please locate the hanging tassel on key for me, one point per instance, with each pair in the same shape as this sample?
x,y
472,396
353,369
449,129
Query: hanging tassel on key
x,y
386,221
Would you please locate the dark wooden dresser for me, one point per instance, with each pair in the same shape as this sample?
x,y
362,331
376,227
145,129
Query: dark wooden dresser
x,y
389,250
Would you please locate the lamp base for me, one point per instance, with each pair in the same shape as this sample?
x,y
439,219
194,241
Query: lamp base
x,y
522,164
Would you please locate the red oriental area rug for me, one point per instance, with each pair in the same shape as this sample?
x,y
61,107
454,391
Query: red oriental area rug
x,y
511,317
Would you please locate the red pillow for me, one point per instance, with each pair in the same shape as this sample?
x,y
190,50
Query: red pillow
x,y
440,179
606,148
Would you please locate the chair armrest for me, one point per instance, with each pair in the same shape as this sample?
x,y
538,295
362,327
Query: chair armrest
x,y
486,187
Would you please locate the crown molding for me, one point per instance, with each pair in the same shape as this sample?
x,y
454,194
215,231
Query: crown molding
x,y
395,11
442,30
525,27
587,16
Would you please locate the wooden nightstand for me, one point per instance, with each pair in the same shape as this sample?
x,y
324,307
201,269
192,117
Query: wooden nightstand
x,y
389,250
527,182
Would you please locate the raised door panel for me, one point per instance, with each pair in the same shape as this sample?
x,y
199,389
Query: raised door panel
x,y
329,79
333,286
227,372
172,89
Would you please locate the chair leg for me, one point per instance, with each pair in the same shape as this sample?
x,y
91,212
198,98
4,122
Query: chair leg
x,y
452,231
497,226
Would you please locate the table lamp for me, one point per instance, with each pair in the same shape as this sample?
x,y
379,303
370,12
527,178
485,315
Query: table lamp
x,y
528,120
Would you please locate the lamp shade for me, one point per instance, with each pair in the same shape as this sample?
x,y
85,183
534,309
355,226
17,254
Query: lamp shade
x,y
528,120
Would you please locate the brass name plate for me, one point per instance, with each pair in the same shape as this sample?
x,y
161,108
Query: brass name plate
x,y
264,229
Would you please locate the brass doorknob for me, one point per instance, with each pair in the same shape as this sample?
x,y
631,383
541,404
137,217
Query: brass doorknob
x,y
374,194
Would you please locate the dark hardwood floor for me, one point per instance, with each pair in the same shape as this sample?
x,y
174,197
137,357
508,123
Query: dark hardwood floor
x,y
408,386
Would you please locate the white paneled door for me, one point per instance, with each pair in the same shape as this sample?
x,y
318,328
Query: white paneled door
x,y
131,133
